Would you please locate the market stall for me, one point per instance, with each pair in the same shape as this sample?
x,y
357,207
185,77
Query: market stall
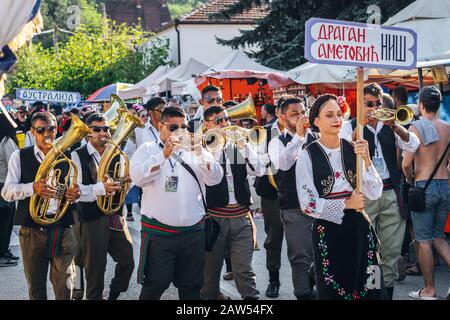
x,y
237,75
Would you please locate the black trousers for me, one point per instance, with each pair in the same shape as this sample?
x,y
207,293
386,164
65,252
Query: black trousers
x,y
178,260
6,227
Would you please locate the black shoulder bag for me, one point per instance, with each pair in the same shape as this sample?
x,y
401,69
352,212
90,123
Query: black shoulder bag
x,y
416,195
212,228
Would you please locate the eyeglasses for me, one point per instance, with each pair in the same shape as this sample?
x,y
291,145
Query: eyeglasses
x,y
371,104
41,130
174,127
220,120
211,100
97,129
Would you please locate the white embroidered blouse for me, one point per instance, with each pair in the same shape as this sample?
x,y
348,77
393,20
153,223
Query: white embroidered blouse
x,y
331,210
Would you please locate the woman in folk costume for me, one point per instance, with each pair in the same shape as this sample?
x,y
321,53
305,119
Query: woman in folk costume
x,y
345,247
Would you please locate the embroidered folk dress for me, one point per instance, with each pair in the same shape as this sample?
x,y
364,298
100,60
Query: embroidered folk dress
x,y
345,247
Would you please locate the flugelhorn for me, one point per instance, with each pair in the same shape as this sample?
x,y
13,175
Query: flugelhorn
x,y
404,115
107,169
49,172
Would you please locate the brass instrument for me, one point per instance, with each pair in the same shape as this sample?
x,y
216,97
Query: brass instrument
x,y
113,113
214,140
244,110
47,171
127,122
403,115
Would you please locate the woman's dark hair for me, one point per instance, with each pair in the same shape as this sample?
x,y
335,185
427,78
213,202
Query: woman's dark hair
x,y
6,129
317,107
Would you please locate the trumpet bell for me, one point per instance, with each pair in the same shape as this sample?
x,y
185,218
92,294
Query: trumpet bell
x,y
214,140
244,110
404,115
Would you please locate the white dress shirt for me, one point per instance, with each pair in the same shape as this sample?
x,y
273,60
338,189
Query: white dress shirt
x,y
149,169
89,193
259,168
284,157
13,189
411,146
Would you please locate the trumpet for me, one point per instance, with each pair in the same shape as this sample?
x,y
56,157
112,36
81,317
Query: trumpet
x,y
404,115
216,139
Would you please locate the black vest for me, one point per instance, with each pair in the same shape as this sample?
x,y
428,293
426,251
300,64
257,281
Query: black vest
x,y
88,211
286,180
217,196
262,185
386,137
29,166
323,172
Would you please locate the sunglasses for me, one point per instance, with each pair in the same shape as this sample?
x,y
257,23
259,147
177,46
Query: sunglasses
x,y
41,130
220,120
372,104
211,100
174,127
97,129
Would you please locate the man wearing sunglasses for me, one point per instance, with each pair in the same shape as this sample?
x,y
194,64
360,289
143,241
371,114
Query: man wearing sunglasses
x,y
211,96
228,204
101,234
42,246
173,236
387,213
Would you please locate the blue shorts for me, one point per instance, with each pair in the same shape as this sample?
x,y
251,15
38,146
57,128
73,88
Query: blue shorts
x,y
430,224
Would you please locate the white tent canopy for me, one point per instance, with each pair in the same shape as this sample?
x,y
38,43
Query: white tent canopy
x,y
431,21
183,72
147,86
237,61
310,73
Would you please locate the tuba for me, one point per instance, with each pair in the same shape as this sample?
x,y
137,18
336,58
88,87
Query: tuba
x,y
404,115
126,122
47,170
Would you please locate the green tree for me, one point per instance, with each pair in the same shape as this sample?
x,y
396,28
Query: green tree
x,y
90,60
280,36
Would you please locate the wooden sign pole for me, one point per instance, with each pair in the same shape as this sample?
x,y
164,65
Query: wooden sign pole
x,y
359,123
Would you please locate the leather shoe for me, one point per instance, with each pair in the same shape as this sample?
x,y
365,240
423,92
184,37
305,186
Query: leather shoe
x,y
10,256
273,290
5,262
228,275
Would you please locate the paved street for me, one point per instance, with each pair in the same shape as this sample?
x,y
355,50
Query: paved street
x,y
13,284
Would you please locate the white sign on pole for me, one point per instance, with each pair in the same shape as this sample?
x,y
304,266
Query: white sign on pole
x,y
48,96
359,44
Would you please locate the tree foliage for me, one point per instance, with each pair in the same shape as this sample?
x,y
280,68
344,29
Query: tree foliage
x,y
280,36
90,60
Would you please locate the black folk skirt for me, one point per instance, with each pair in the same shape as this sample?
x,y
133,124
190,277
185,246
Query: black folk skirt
x,y
346,259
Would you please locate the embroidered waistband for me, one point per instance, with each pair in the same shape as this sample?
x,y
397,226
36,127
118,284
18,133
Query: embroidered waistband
x,y
230,211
